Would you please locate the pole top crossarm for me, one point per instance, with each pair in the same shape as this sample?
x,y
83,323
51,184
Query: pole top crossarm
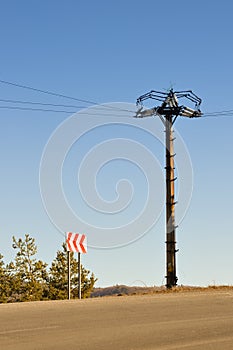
x,y
170,104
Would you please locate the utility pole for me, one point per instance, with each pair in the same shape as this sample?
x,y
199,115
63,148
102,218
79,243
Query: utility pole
x,y
170,206
168,112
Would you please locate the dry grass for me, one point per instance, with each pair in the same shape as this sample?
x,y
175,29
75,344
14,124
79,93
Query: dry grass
x,y
120,290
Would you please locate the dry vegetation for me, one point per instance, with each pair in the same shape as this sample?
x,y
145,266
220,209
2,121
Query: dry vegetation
x,y
119,290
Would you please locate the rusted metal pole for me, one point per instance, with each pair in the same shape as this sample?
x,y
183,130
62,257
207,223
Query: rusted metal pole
x,y
170,206
168,111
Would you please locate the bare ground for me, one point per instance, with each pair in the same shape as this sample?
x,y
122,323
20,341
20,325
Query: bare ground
x,y
187,320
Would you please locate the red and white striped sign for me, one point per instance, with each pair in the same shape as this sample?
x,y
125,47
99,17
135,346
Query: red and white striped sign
x,y
76,242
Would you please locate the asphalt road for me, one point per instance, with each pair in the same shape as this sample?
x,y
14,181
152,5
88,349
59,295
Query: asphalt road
x,y
163,322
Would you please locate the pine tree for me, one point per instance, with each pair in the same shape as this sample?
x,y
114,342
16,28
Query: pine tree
x,y
28,275
58,281
5,285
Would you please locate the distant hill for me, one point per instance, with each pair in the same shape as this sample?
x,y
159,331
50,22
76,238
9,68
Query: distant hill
x,y
119,290
124,290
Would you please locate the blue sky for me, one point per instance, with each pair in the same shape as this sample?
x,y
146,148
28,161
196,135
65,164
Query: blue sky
x,y
114,52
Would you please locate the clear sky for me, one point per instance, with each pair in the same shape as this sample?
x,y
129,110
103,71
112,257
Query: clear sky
x,y
113,52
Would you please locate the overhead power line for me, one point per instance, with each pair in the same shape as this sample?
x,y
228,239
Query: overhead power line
x,y
100,107
46,92
40,103
36,109
97,112
224,113
227,113
204,115
62,96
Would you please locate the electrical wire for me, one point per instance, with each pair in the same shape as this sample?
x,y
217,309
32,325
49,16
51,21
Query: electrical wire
x,y
100,107
61,95
97,112
227,113
35,109
40,103
94,113
218,116
46,92
219,113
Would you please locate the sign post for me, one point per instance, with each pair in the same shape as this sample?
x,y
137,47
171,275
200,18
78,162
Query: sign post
x,y
79,277
76,243
68,269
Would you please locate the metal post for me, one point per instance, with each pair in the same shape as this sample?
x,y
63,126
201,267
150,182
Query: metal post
x,y
170,206
68,272
79,277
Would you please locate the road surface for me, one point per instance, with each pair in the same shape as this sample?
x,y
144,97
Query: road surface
x,y
189,321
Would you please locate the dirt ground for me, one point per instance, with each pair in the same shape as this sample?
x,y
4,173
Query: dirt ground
x,y
187,320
